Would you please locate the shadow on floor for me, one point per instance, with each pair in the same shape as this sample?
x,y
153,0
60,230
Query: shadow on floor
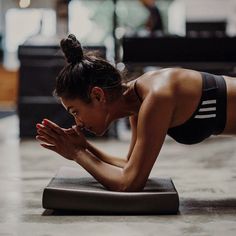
x,y
187,207
207,207
48,212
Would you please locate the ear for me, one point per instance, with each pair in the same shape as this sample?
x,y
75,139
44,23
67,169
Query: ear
x,y
98,94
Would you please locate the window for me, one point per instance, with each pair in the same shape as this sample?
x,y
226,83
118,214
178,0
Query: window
x,y
22,24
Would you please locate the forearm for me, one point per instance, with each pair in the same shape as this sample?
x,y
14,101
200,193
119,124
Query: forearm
x,y
110,176
115,161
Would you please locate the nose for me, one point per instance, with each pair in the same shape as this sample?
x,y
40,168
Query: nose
x,y
79,122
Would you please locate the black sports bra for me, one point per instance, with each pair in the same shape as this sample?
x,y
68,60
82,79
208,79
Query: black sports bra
x,y
210,115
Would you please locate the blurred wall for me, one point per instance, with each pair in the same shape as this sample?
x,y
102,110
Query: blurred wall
x,y
7,4
181,11
1,17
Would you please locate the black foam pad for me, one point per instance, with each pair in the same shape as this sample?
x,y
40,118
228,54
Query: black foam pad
x,y
68,190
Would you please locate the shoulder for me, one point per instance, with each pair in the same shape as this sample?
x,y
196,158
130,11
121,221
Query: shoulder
x,y
158,107
163,90
154,84
168,82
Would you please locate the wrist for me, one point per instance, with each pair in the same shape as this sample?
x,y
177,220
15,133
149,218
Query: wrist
x,y
88,146
78,155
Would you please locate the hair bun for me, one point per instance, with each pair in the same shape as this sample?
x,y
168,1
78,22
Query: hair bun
x,y
72,49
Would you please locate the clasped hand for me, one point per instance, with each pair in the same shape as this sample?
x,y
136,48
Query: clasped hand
x,y
65,142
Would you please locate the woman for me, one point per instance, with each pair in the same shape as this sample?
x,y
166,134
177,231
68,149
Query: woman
x,y
188,105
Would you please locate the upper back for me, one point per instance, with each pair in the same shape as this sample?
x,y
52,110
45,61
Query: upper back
x,y
184,85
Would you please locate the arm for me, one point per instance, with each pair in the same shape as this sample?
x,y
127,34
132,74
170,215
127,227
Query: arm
x,y
154,121
116,161
150,137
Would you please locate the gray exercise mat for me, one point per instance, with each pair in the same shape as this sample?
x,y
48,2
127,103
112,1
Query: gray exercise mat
x,y
68,190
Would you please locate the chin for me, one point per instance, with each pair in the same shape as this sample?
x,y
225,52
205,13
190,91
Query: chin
x,y
101,132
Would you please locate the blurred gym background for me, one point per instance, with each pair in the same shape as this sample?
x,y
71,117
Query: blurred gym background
x,y
136,36
193,34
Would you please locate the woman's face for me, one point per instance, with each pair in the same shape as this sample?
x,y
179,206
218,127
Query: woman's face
x,y
93,116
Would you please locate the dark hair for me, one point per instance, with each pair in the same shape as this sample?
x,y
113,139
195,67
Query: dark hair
x,y
83,72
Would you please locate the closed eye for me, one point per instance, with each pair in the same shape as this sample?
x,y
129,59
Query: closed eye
x,y
75,113
72,112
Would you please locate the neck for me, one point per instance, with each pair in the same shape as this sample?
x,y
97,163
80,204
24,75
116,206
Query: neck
x,y
127,104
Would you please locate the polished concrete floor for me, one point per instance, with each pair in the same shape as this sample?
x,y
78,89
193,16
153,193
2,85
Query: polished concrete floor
x,y
204,175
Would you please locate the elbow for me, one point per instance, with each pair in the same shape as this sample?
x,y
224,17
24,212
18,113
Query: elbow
x,y
129,180
130,184
130,188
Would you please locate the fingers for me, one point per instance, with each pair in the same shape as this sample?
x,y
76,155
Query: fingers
x,y
45,138
49,124
46,131
49,128
73,130
48,146
77,129
69,131
42,139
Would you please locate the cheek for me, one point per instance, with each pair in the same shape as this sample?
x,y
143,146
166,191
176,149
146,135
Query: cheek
x,y
100,119
101,122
